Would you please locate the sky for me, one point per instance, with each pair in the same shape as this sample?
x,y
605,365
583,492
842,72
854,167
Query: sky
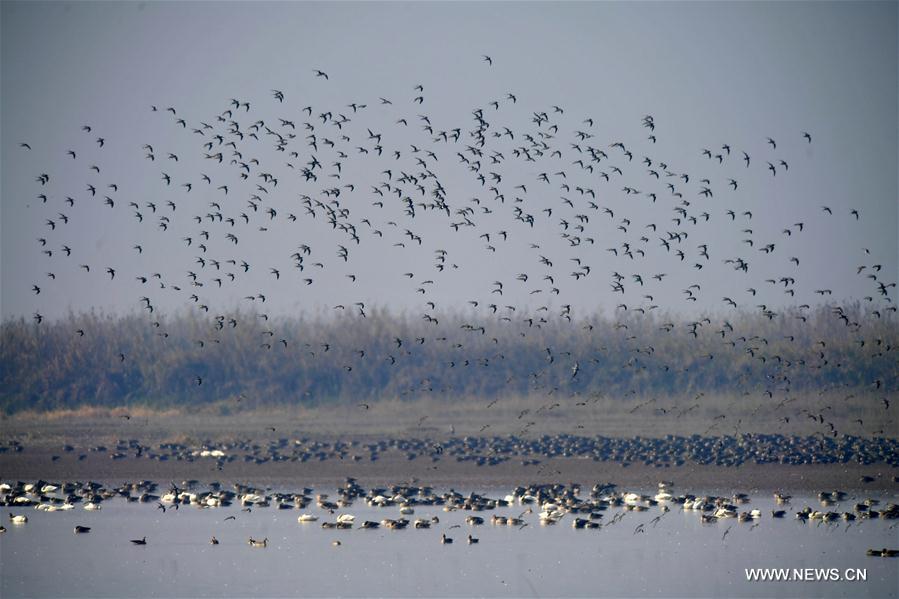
x,y
709,74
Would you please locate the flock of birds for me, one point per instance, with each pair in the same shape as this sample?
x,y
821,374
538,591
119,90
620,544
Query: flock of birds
x,y
550,503
383,177
541,452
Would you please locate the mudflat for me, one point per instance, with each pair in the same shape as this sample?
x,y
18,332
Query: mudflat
x,y
261,447
36,464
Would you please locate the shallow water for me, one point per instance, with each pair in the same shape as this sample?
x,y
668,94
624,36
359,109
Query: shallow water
x,y
675,556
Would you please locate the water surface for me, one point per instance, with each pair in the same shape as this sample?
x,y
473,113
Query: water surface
x,y
675,555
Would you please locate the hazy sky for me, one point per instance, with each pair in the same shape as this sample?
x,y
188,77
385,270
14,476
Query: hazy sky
x,y
710,74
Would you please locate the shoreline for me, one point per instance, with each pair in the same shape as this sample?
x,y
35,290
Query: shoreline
x,y
37,464
456,445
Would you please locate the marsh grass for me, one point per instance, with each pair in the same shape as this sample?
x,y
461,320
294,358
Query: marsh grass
x,y
327,364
